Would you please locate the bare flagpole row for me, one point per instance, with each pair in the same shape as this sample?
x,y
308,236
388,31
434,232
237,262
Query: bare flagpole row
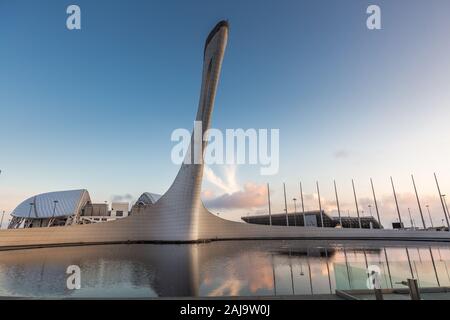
x,y
375,202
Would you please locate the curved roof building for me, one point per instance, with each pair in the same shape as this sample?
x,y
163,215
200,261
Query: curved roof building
x,y
147,198
52,205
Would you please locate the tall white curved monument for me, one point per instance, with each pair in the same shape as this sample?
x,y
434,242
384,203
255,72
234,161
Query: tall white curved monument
x,y
179,215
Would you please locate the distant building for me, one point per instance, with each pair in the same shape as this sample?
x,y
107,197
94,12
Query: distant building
x,y
60,208
147,198
119,209
94,213
95,210
313,219
398,225
64,208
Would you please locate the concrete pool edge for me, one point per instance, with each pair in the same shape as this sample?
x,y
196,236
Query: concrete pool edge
x,y
396,241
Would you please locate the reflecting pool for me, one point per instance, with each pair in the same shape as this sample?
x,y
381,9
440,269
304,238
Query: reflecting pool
x,y
227,268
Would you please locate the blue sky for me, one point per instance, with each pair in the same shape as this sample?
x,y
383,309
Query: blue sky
x,y
95,108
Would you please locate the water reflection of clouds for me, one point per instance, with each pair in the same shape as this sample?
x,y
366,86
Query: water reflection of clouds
x,y
229,268
248,273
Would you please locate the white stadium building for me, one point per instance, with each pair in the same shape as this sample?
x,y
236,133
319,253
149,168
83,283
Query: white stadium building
x,y
50,209
65,208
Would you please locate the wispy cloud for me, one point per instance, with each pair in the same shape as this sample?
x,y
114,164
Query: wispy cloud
x,y
251,197
229,194
122,198
227,183
341,154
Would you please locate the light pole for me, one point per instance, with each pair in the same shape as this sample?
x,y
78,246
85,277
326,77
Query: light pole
x,y
1,223
285,205
410,218
376,204
370,210
295,211
429,215
303,204
442,201
396,202
270,210
363,216
29,215
445,202
320,204
55,202
31,208
356,204
418,202
337,203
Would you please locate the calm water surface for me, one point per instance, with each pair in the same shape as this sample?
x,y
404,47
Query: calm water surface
x,y
229,268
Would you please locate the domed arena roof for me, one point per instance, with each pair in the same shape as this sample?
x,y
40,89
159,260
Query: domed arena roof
x,y
148,198
52,204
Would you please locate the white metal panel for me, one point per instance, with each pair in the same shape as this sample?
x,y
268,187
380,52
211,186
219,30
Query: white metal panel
x,y
44,206
148,198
